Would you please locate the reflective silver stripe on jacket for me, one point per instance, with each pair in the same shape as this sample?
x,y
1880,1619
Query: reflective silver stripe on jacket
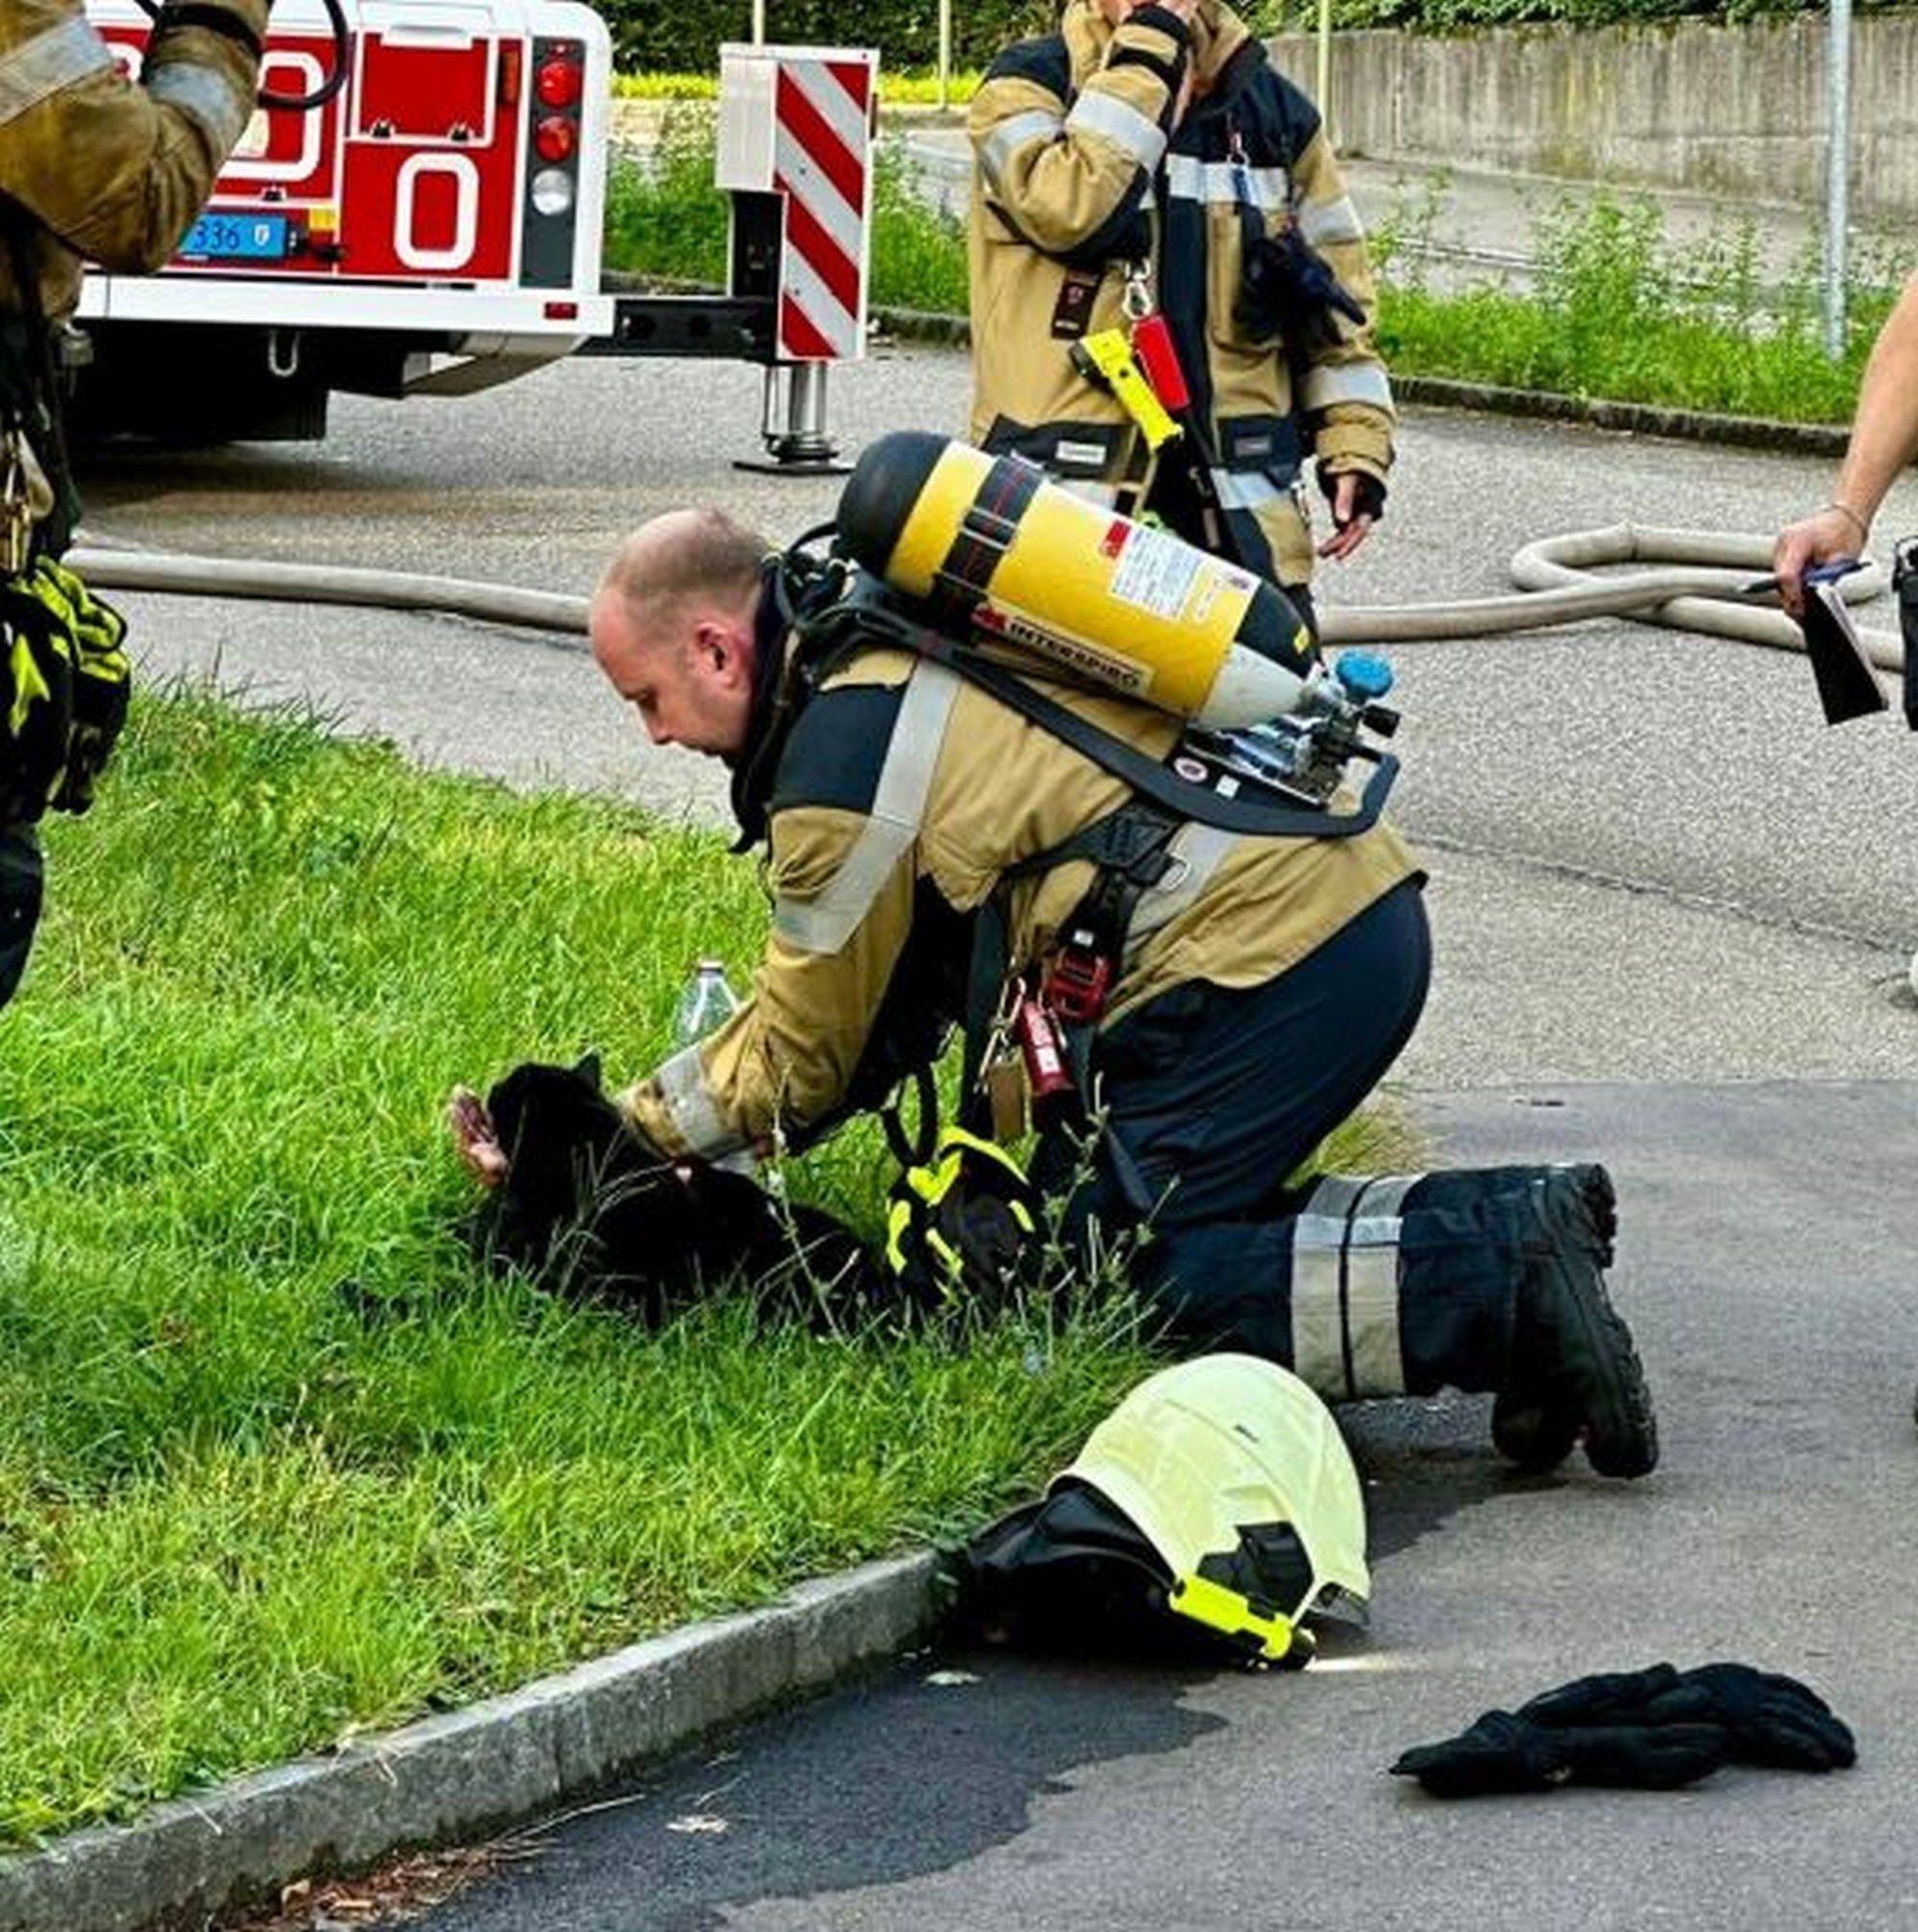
x,y
1195,852
204,97
824,923
1189,179
1124,127
1015,131
682,1082
1329,382
1325,222
1245,489
68,52
1345,1286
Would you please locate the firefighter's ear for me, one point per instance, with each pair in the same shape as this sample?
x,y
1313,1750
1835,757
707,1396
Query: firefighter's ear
x,y
721,649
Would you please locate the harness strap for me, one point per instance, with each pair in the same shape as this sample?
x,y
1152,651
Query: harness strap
x,y
984,535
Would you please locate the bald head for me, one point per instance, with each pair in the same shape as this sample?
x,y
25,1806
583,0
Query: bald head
x,y
673,627
685,557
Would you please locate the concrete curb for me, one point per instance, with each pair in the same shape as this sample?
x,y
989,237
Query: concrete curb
x,y
469,1773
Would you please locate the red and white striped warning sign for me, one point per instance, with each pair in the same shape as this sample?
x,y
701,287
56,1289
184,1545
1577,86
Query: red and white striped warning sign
x,y
797,122
822,166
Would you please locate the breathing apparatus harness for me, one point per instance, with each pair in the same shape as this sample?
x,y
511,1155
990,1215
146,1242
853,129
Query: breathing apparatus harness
x,y
1025,1037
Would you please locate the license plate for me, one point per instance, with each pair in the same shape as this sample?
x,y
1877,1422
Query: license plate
x,y
236,238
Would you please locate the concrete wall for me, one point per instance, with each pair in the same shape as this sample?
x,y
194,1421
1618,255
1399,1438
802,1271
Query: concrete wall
x,y
1726,110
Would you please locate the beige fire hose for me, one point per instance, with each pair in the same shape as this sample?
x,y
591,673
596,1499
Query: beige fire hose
x,y
1696,583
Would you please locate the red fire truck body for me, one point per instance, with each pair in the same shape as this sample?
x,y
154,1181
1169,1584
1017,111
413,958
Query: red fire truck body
x,y
436,226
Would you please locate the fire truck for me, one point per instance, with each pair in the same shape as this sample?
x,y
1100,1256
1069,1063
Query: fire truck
x,y
435,227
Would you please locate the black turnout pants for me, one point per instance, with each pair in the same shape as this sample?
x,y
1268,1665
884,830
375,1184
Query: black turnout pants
x,y
20,876
1214,1096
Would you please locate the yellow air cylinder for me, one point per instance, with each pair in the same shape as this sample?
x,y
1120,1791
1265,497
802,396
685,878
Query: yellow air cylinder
x,y
1094,596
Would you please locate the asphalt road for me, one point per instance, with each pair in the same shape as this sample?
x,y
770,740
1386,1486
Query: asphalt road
x,y
1651,859
1766,1263
1672,912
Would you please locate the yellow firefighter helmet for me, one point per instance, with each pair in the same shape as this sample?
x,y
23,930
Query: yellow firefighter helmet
x,y
1236,1474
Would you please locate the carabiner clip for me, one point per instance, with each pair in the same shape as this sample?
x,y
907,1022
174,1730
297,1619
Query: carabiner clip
x,y
1137,303
16,509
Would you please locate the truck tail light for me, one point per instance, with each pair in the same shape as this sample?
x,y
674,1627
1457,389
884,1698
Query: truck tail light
x,y
555,139
559,82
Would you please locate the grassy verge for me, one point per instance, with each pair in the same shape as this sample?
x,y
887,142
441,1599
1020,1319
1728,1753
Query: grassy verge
x,y
1617,309
896,89
665,218
277,1464
275,1461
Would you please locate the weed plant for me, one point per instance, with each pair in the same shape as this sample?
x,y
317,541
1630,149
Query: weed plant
x,y
1618,311
277,1462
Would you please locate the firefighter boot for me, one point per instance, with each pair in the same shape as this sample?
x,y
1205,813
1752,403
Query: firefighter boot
x,y
1527,1427
1573,1367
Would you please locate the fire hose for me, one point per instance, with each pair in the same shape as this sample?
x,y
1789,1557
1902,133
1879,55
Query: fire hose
x,y
1698,580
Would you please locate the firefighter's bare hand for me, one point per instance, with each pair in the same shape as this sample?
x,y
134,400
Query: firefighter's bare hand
x,y
1351,529
475,1137
1830,532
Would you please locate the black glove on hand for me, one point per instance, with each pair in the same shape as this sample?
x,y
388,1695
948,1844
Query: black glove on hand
x,y
1367,500
101,678
1770,1720
1505,1754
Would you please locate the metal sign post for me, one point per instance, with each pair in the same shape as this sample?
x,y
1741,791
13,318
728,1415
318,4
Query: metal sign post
x,y
795,156
1837,173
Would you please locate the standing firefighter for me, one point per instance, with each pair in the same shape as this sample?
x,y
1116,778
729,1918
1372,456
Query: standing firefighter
x,y
1152,200
93,168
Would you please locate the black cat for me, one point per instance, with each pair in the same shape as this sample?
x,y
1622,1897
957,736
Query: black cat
x,y
588,1210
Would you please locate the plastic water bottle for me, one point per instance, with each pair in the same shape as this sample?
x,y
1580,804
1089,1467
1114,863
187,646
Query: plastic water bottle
x,y
706,1004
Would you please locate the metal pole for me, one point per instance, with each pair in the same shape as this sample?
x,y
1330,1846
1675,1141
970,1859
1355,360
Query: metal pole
x,y
1837,175
758,23
1324,95
944,55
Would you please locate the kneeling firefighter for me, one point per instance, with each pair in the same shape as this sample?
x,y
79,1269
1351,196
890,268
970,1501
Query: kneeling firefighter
x,y
93,167
1168,919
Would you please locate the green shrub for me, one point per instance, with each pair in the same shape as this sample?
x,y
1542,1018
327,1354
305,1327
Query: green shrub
x,y
651,34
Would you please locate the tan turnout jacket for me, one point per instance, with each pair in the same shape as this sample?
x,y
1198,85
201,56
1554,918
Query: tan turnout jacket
x,y
903,788
114,172
1080,171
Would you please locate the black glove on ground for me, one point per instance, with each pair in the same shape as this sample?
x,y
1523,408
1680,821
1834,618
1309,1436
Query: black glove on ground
x,y
1505,1754
1770,1720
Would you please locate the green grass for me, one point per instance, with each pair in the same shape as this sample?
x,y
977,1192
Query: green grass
x,y
665,218
1620,311
911,89
276,1461
1617,311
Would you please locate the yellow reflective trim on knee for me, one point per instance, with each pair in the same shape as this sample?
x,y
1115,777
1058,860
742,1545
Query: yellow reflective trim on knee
x,y
1222,1609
